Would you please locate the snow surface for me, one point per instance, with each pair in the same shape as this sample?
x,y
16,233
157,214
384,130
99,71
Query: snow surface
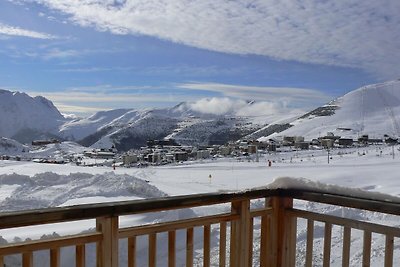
x,y
25,185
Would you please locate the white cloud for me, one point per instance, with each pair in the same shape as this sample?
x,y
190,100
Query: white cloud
x,y
361,33
262,93
15,31
262,111
217,106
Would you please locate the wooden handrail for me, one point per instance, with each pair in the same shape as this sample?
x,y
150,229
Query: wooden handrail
x,y
277,237
90,211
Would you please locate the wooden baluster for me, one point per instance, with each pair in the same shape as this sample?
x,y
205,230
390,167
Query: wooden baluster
x,y
207,246
389,251
27,259
189,247
346,246
222,244
265,250
1,261
132,251
171,248
251,236
152,250
55,257
367,249
327,244
80,256
310,242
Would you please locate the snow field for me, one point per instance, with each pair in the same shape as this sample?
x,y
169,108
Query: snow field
x,y
27,185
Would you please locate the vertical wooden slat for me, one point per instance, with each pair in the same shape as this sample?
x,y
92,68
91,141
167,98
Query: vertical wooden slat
x,y
263,242
251,237
310,242
233,243
346,246
171,248
292,240
1,261
132,251
152,250
80,255
327,245
207,245
107,249
55,257
389,251
367,249
189,247
27,259
222,244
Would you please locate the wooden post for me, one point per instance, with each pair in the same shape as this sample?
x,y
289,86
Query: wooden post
x,y
240,240
107,249
282,233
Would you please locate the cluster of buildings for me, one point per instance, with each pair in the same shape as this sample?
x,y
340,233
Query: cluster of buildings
x,y
160,152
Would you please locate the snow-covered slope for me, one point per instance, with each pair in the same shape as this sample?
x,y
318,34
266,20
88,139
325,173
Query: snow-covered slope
x,y
372,110
24,118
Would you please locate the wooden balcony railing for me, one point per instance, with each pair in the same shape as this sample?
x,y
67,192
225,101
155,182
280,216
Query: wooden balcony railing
x,y
262,236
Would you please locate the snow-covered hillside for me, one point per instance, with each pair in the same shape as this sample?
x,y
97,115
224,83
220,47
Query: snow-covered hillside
x,y
24,118
372,110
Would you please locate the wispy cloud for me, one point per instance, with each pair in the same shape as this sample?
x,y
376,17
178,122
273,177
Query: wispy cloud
x,y
361,34
270,101
87,100
16,31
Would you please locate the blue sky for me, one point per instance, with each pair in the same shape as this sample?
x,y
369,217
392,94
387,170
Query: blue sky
x,y
92,55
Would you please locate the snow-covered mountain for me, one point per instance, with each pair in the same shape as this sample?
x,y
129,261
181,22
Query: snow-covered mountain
x,y
132,128
372,110
25,118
